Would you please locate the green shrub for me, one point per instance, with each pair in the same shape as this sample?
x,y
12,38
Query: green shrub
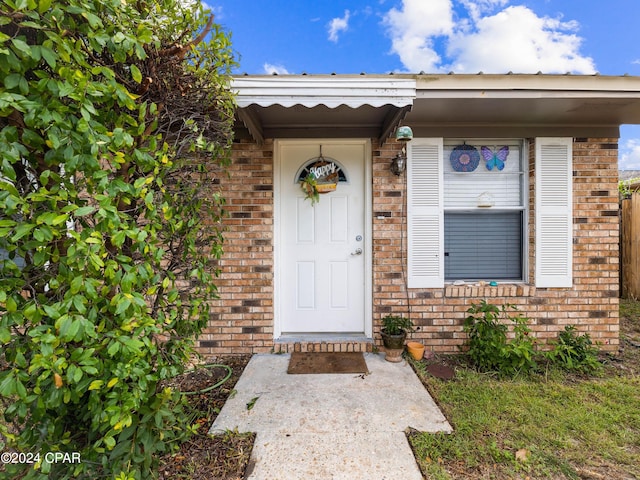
x,y
488,345
115,120
574,352
491,350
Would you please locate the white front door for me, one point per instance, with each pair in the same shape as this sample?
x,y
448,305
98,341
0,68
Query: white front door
x,y
322,248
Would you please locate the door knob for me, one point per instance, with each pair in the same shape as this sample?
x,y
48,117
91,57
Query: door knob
x,y
357,252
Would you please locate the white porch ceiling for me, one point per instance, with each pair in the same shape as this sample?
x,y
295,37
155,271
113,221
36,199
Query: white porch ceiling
x,y
524,105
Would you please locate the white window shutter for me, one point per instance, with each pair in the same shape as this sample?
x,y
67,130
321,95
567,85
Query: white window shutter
x,y
425,229
554,212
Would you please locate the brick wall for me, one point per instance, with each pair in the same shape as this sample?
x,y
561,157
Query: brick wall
x,y
595,299
242,319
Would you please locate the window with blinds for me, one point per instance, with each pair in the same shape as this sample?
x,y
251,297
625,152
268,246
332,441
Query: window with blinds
x,y
484,245
484,209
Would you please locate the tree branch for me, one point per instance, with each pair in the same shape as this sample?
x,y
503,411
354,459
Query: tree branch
x,y
180,50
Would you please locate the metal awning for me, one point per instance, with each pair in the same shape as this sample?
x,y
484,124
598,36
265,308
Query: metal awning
x,y
321,106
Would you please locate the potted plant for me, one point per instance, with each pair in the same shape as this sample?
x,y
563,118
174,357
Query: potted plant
x,y
394,333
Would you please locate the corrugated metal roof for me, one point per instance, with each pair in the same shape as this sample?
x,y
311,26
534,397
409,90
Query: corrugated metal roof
x,y
331,91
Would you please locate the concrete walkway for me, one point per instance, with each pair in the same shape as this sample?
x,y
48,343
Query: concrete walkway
x,y
344,426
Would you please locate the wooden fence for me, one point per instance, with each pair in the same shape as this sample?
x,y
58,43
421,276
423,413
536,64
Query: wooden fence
x,y
630,247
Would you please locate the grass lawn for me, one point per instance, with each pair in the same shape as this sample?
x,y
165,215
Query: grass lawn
x,y
547,426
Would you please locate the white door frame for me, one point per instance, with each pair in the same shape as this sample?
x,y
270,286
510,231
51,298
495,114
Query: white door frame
x,y
368,228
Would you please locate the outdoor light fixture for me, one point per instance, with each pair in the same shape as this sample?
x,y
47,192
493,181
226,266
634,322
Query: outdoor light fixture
x,y
404,134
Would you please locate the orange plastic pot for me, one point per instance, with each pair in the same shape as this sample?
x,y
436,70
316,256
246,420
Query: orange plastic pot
x,y
415,349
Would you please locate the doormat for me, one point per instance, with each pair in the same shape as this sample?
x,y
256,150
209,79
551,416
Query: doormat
x,y
327,362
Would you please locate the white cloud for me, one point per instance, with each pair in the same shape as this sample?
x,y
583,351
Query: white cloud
x,y
270,68
517,39
414,28
477,8
491,39
338,25
630,154
216,10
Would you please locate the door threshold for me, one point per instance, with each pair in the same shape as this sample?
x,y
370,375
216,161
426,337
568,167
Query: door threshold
x,y
314,342
323,337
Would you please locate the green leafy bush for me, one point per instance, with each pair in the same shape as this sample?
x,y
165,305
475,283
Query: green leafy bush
x,y
115,121
489,347
574,352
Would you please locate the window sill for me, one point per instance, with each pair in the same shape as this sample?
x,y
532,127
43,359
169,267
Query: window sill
x,y
505,290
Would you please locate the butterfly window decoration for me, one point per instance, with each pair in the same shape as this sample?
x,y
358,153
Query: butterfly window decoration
x,y
495,159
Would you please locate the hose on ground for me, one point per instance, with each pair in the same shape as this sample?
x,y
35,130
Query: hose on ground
x,y
212,387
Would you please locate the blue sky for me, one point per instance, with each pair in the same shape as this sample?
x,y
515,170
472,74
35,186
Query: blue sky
x,y
438,36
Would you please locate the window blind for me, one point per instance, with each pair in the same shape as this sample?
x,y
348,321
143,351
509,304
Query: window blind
x,y
483,246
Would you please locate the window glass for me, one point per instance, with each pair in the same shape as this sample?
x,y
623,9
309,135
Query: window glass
x,y
473,168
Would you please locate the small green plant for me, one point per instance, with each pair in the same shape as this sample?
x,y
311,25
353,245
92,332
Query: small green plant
x,y
487,336
395,324
490,349
624,187
575,352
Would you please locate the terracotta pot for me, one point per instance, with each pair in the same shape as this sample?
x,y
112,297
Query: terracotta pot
x,y
393,355
393,346
416,350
